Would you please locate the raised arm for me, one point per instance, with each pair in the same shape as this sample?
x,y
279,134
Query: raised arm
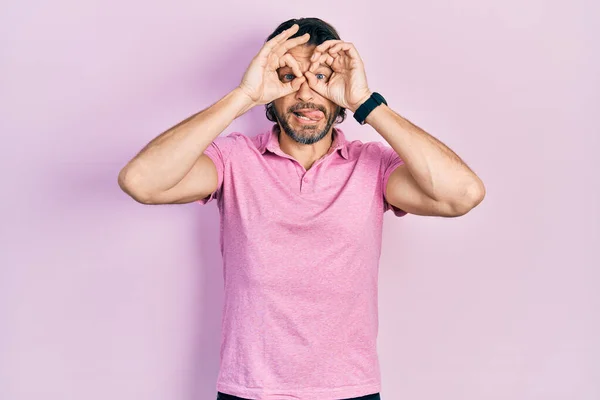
x,y
172,167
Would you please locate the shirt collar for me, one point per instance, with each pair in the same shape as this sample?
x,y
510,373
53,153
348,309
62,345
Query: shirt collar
x,y
272,142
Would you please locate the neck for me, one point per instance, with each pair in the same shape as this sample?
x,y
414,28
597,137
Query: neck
x,y
306,154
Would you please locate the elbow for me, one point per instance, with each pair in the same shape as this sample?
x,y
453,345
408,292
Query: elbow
x,y
129,183
471,198
122,180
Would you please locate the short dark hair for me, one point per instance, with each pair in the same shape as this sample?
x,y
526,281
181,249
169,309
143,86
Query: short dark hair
x,y
319,31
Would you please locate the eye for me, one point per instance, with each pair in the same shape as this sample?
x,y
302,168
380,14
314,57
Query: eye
x,y
288,76
323,76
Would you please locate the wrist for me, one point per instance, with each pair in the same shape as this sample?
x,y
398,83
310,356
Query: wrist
x,y
368,107
241,93
366,97
242,99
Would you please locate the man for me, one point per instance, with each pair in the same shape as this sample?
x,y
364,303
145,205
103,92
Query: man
x,y
301,213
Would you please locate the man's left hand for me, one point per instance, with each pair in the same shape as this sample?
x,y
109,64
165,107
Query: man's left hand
x,y
347,86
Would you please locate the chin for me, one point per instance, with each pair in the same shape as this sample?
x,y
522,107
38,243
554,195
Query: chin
x,y
303,133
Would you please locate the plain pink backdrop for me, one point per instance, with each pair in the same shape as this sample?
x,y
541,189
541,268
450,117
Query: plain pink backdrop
x,y
104,298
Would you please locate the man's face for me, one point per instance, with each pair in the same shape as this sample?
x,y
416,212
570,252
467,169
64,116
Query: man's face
x,y
319,112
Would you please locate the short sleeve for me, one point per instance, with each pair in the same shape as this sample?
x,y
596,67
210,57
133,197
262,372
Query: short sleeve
x,y
390,161
219,152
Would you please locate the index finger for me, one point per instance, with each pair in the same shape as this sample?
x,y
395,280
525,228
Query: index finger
x,y
271,44
282,48
289,61
326,44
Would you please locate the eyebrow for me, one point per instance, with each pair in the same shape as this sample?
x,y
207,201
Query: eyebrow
x,y
321,65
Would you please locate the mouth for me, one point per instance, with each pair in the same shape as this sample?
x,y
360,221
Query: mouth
x,y
308,116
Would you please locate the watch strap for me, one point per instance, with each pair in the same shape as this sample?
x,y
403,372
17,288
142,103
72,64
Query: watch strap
x,y
369,105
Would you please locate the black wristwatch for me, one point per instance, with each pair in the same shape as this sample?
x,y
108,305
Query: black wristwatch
x,y
365,108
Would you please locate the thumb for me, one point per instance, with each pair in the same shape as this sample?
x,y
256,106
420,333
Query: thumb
x,y
314,83
297,82
293,86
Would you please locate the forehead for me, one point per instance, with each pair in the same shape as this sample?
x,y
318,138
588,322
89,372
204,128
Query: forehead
x,y
302,54
303,51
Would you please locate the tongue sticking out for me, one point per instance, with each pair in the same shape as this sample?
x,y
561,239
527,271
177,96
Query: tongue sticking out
x,y
312,114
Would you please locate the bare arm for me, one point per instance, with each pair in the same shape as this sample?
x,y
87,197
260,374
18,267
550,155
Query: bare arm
x,y
434,180
172,168
176,156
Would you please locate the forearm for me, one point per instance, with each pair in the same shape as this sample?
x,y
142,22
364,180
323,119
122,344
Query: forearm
x,y
438,171
165,161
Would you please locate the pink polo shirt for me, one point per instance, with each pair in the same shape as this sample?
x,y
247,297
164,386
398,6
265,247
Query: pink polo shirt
x,y
300,257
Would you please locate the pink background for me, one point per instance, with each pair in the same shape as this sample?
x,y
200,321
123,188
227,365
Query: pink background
x,y
104,298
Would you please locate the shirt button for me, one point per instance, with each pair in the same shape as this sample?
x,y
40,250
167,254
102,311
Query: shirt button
x,y
305,180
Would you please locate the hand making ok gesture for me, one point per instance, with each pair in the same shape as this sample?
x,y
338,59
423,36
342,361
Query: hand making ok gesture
x,y
347,86
261,82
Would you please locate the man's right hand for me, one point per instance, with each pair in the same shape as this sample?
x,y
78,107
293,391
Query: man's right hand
x,y
173,168
261,82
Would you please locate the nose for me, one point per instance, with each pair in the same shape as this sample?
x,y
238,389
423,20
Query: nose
x,y
305,93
